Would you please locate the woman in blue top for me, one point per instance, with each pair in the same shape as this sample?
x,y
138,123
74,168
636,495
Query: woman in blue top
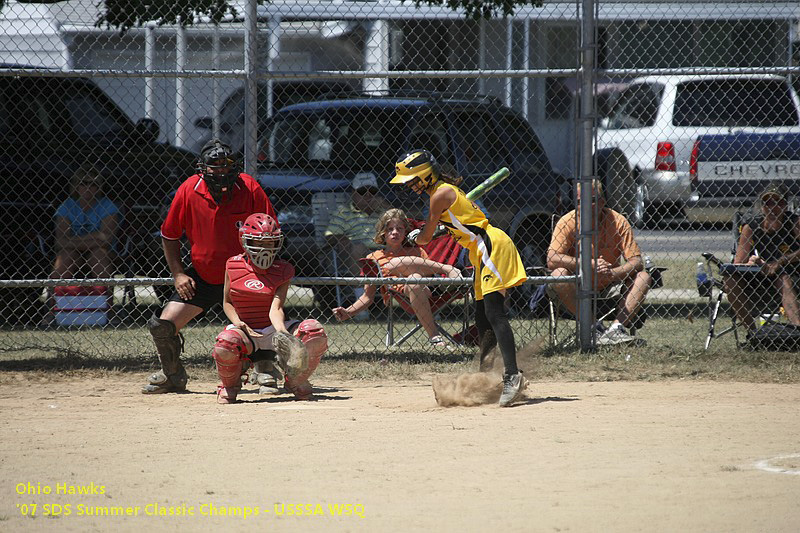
x,y
86,224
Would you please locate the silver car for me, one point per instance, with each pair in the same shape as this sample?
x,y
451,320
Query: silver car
x,y
657,119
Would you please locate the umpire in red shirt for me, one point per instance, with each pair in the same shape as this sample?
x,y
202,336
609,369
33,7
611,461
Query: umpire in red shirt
x,y
208,208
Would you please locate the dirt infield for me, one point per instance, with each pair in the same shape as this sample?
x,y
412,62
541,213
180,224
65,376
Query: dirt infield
x,y
620,456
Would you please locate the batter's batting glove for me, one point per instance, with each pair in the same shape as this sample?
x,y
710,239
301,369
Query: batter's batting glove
x,y
440,230
411,238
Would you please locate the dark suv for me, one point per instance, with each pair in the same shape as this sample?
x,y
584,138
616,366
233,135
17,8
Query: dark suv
x,y
49,126
231,113
314,149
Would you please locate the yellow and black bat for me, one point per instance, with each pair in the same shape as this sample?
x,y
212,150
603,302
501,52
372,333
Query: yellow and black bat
x,y
488,184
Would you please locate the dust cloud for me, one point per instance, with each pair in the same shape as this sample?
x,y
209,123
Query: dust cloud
x,y
478,388
467,390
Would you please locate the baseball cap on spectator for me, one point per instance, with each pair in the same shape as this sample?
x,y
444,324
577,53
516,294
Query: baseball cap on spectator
x,y
365,180
775,189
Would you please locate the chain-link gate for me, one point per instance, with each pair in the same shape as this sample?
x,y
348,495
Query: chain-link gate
x,y
695,110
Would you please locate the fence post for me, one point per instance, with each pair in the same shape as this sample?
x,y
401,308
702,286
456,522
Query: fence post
x,y
587,123
251,86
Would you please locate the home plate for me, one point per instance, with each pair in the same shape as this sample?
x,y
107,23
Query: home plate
x,y
305,407
782,464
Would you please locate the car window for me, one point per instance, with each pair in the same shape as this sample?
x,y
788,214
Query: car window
x,y
732,103
362,138
637,107
481,147
522,137
90,113
319,140
430,133
28,117
232,111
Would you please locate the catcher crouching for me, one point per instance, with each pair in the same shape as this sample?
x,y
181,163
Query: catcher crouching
x,y
255,290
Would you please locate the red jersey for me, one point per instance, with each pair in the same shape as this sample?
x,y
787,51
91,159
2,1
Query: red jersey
x,y
252,291
213,230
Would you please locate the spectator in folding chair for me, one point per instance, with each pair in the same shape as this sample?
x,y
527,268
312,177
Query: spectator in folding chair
x,y
350,230
614,242
86,231
770,240
399,259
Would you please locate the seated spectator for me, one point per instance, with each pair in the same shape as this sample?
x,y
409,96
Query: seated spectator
x,y
350,230
614,242
86,225
771,240
399,259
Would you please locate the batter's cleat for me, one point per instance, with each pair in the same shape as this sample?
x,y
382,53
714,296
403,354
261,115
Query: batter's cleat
x,y
226,395
513,385
160,383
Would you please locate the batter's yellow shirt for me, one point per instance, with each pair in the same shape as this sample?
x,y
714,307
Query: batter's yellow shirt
x,y
496,260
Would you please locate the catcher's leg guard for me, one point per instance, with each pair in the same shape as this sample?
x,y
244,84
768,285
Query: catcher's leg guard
x,y
228,353
313,336
169,344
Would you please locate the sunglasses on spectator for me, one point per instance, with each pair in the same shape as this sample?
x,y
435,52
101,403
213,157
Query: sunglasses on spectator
x,y
365,190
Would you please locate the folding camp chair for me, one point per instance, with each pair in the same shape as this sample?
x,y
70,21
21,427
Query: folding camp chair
x,y
606,301
443,250
766,305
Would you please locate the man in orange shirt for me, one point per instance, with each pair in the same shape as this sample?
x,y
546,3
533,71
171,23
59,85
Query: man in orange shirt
x,y
613,242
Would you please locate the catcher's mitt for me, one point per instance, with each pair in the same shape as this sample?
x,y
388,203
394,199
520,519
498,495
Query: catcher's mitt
x,y
292,354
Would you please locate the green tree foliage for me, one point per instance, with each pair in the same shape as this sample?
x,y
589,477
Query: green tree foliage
x,y
478,9
126,14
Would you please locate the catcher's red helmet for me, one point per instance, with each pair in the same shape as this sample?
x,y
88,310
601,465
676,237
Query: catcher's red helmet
x,y
261,239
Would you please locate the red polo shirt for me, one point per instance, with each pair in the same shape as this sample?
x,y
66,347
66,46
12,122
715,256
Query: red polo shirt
x,y
213,230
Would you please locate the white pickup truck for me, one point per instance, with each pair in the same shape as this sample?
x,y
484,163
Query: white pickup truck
x,y
657,119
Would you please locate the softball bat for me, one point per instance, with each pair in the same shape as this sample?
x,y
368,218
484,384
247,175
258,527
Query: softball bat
x,y
488,184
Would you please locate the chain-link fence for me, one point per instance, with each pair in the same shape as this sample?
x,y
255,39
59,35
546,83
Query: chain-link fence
x,y
693,110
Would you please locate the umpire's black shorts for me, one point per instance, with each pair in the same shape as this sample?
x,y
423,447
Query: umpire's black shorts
x,y
206,295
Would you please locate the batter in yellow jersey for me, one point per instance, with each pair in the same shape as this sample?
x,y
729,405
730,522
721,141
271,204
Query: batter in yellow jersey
x,y
497,263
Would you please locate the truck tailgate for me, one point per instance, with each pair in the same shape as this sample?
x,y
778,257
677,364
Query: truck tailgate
x,y
740,164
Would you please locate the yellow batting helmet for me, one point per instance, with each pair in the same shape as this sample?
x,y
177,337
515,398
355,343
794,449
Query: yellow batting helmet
x,y
416,164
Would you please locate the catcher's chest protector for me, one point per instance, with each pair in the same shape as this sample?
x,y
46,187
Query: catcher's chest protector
x,y
252,292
